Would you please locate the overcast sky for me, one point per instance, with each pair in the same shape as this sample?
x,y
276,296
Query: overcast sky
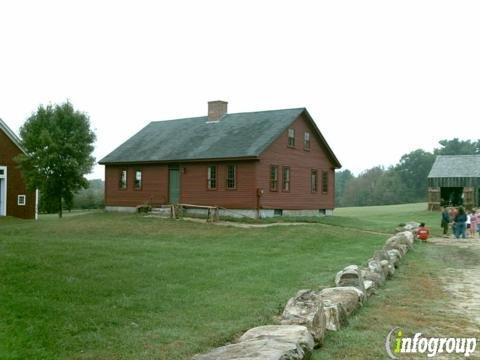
x,y
380,78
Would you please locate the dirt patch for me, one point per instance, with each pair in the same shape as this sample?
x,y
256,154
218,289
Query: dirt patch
x,y
259,226
462,282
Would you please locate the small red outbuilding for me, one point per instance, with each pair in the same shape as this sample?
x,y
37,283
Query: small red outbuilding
x,y
15,199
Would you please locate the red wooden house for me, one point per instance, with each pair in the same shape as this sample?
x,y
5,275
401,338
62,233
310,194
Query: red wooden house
x,y
276,161
15,198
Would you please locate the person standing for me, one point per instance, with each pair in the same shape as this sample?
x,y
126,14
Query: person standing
x,y
474,221
445,221
467,230
460,223
453,211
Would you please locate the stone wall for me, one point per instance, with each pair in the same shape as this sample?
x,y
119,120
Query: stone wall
x,y
311,313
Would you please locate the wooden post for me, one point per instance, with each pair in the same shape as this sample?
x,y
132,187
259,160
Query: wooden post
x,y
433,198
259,195
468,198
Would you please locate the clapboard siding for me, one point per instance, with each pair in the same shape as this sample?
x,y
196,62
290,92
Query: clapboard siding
x,y
154,188
193,188
194,185
301,163
15,182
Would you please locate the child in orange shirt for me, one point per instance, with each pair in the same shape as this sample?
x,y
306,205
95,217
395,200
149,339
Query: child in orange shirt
x,y
423,232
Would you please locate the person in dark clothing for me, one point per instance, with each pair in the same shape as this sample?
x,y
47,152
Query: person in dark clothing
x,y
460,223
445,221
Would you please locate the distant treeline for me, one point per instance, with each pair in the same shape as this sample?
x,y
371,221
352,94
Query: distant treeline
x,y
405,182
92,197
89,198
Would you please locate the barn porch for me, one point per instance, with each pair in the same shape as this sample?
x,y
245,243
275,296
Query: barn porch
x,y
454,181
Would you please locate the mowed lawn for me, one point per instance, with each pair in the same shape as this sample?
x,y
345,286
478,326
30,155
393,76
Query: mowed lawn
x,y
110,286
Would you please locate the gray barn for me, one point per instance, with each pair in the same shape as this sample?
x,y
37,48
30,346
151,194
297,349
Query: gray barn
x,y
454,180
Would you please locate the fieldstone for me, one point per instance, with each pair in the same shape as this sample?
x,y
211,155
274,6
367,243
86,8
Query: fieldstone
x,y
388,268
287,333
405,238
381,255
395,256
377,277
350,276
394,244
335,315
348,296
306,308
411,226
370,287
263,349
375,265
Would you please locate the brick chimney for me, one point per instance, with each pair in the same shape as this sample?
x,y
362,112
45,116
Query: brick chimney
x,y
216,109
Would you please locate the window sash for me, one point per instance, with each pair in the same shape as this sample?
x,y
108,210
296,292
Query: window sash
x,y
21,200
212,177
291,137
138,179
273,178
324,182
306,141
286,178
314,181
231,177
123,179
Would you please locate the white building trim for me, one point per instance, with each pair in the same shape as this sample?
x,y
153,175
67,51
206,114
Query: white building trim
x,y
3,189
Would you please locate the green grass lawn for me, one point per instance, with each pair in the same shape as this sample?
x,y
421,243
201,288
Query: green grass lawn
x,y
413,300
382,218
109,286
372,218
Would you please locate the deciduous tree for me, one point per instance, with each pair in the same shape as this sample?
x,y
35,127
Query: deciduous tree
x,y
59,145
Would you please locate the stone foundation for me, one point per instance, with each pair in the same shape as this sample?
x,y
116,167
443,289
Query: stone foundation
x,y
235,213
121,209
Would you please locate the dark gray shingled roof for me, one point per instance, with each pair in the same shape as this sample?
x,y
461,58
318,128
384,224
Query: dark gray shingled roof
x,y
456,166
241,135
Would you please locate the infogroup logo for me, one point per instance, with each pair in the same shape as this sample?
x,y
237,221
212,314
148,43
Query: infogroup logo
x,y
397,343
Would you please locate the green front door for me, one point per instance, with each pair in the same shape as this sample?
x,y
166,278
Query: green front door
x,y
173,185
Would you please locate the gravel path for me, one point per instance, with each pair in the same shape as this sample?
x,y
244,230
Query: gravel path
x,y
463,283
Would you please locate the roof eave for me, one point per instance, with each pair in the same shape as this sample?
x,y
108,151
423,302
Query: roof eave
x,y
11,135
330,152
170,161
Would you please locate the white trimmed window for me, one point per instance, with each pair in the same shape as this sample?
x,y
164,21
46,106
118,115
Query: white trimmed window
x,y
21,200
